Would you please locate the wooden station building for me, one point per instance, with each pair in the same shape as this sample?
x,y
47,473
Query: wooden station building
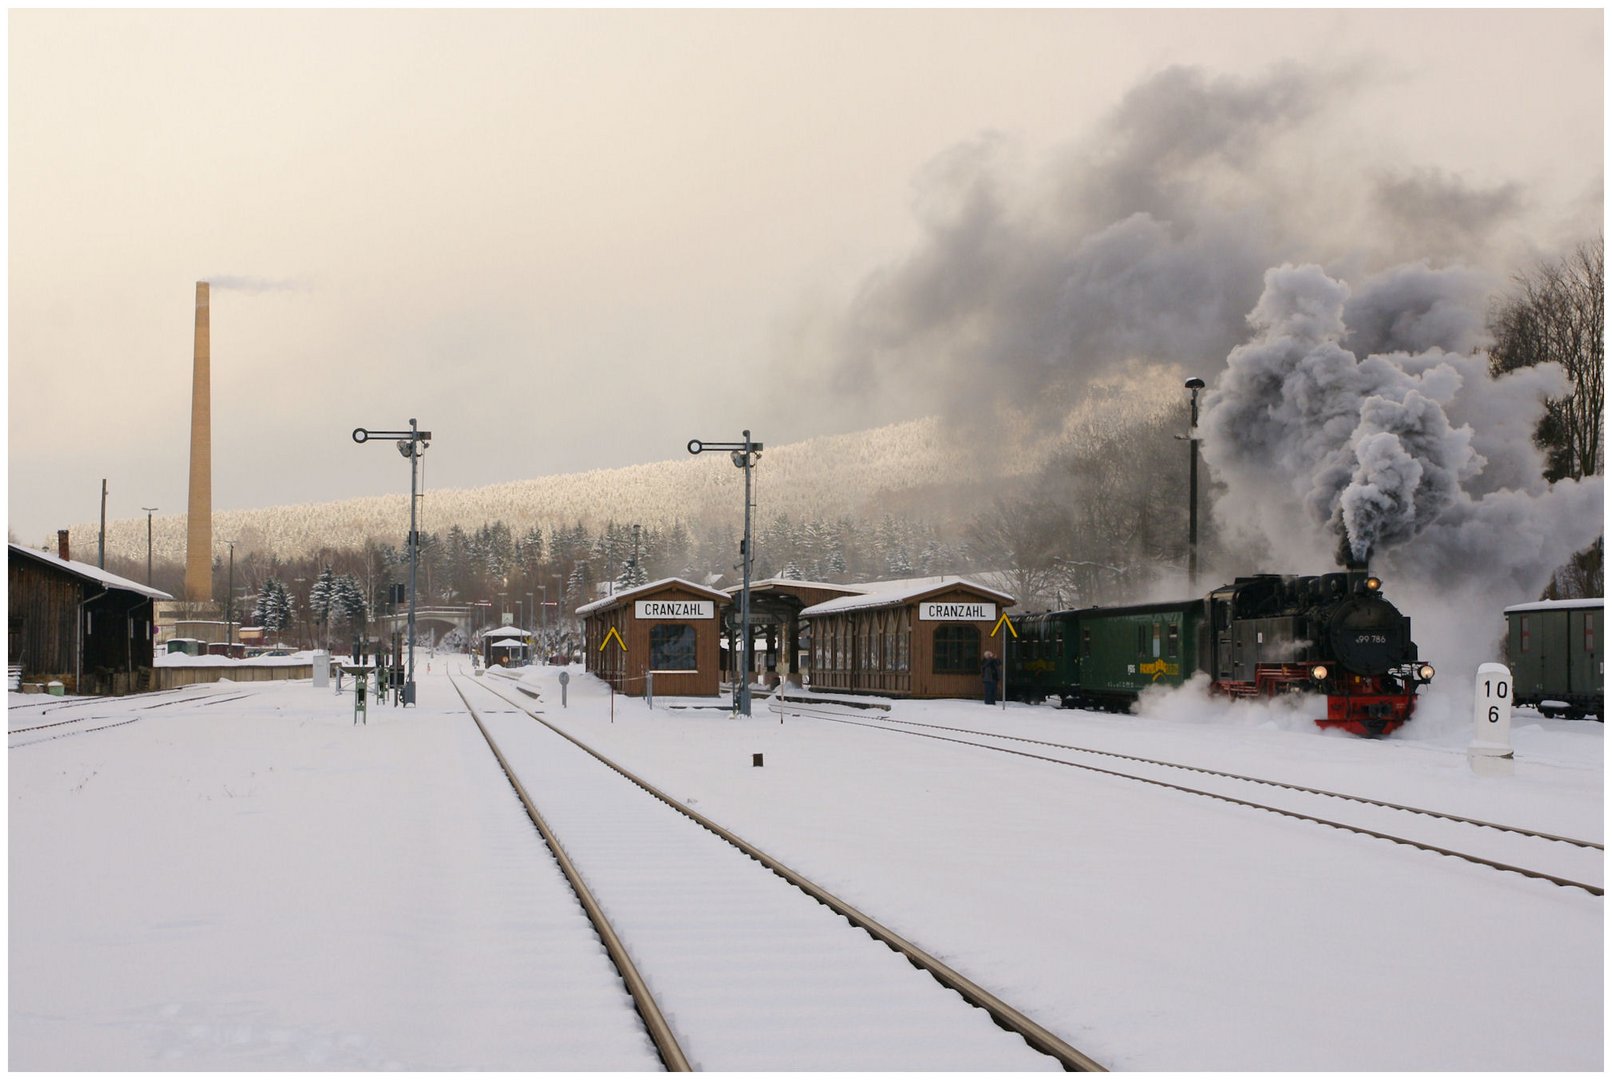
x,y
775,607
921,639
669,627
75,623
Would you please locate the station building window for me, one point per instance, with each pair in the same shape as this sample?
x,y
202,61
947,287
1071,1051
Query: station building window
x,y
957,649
671,647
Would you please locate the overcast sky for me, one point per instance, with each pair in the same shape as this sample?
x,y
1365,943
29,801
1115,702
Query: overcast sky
x,y
569,240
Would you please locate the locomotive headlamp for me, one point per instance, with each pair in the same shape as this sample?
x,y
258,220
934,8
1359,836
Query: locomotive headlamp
x,y
1425,672
1319,673
1374,584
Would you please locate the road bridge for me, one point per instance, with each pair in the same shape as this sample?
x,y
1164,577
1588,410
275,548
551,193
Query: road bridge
x,y
438,619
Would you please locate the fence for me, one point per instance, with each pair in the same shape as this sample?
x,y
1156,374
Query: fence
x,y
170,676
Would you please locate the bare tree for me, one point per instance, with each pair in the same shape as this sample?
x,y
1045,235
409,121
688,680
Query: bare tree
x,y
1557,314
1021,537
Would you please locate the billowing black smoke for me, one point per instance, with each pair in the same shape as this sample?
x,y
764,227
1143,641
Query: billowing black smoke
x,y
1143,244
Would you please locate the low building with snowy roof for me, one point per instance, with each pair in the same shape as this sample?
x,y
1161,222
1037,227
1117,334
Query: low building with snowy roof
x,y
75,623
669,628
506,645
775,607
921,639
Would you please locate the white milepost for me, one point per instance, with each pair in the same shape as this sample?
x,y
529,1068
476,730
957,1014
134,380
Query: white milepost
x,y
1490,751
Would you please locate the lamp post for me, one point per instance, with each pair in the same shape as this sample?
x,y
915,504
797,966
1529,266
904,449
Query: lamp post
x,y
149,511
744,457
411,444
1193,384
229,604
558,630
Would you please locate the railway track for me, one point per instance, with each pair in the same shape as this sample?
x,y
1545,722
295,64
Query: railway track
x,y
31,733
735,965
1561,860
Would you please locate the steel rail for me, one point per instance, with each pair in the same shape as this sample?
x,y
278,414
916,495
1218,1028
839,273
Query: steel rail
x,y
1478,822
204,700
660,1031
1593,890
1005,1015
70,734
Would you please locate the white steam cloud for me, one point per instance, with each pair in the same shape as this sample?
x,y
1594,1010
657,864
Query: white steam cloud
x,y
237,283
1144,244
1421,461
1320,445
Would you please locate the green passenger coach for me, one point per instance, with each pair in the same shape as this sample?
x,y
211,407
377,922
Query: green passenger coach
x,y
1554,649
1103,658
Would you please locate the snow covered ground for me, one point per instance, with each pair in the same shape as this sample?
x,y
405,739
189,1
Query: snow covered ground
x,y
252,882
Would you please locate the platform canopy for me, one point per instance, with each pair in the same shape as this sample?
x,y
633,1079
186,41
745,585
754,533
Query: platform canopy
x,y
505,631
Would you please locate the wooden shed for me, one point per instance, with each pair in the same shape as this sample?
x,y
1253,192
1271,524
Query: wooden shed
x,y
669,627
920,639
74,622
507,646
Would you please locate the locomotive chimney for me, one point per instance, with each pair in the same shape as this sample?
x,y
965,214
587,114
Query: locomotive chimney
x,y
1346,555
61,544
199,518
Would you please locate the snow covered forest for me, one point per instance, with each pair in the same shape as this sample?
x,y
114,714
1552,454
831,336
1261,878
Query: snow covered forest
x,y
906,500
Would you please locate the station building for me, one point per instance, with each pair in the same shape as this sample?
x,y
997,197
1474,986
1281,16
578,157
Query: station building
x,y
775,607
74,623
671,628
921,639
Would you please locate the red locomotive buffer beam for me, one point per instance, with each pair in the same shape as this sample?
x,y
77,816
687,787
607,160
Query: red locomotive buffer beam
x,y
1366,705
1369,705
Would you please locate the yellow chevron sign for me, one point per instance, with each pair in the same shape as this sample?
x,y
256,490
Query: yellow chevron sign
x,y
1004,620
617,636
1159,668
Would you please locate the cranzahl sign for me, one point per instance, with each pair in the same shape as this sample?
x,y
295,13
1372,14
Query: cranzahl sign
x,y
936,612
675,609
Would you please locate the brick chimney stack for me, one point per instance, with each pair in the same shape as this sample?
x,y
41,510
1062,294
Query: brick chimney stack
x,y
61,544
199,518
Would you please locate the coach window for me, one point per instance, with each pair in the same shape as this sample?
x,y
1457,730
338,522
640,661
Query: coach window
x,y
957,649
671,647
1172,640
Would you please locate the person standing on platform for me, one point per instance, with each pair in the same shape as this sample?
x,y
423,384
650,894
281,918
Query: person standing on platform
x,y
991,676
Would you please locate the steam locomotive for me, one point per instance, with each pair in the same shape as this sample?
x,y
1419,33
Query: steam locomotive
x,y
1332,634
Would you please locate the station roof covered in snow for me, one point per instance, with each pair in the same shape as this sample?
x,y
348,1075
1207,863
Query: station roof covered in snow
x,y
505,631
90,572
891,594
642,590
